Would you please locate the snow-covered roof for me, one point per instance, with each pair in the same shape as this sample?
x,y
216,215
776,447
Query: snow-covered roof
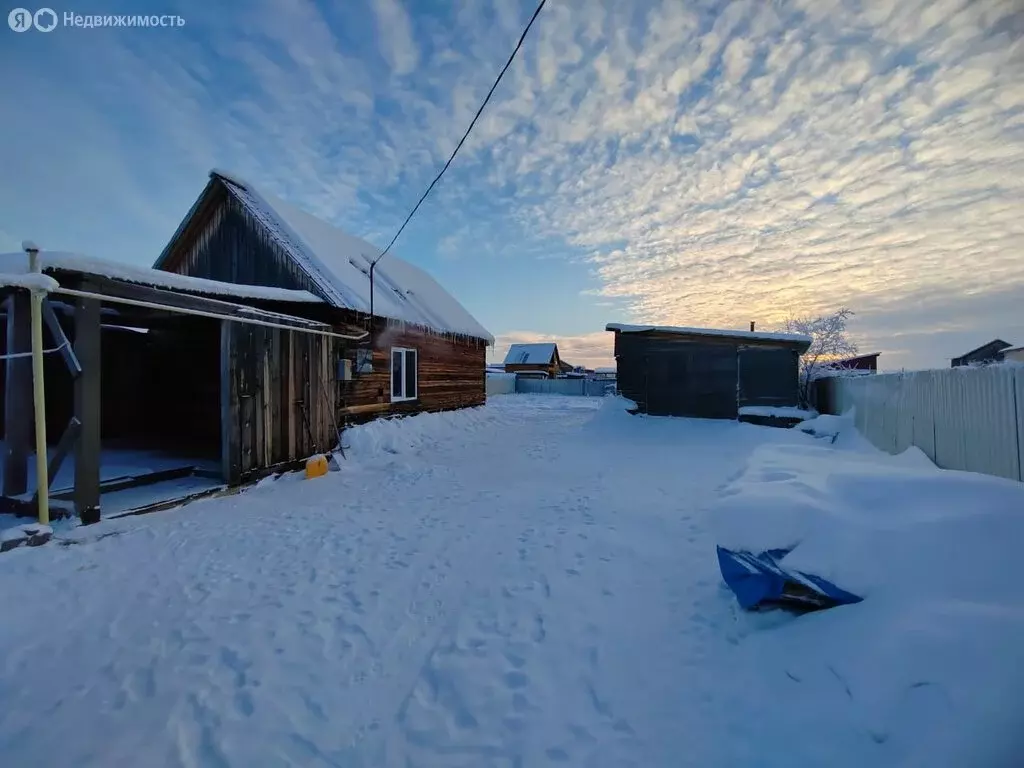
x,y
17,263
606,370
759,335
339,265
531,354
32,280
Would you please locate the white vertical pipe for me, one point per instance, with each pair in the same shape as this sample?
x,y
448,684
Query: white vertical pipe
x,y
39,390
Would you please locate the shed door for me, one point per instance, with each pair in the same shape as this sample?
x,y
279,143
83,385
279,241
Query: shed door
x,y
712,382
696,380
767,376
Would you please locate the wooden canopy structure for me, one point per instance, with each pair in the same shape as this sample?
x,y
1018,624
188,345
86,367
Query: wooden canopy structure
x,y
186,374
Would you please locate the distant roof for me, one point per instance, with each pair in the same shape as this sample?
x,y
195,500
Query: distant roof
x,y
15,263
531,354
793,338
996,345
339,265
606,370
855,360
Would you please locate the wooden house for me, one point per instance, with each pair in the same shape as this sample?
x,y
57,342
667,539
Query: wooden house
x,y
706,372
424,351
541,358
260,332
858,363
986,353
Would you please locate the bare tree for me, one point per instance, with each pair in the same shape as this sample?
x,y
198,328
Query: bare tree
x,y
829,343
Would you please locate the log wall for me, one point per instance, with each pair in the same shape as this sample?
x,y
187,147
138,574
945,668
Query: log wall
x,y
450,372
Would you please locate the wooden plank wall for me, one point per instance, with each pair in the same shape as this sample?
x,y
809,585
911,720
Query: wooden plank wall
x,y
225,243
451,374
277,404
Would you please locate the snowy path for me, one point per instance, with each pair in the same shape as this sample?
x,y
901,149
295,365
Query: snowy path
x,y
520,585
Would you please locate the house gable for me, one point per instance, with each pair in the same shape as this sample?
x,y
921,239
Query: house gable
x,y
264,241
540,354
220,239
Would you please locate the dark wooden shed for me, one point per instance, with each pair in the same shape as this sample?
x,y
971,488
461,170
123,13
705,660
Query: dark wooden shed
x,y
986,353
706,372
859,363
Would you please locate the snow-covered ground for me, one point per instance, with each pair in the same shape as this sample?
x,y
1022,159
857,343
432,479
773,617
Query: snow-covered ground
x,y
529,583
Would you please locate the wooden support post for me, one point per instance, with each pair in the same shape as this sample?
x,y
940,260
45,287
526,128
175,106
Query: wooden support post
x,y
230,449
87,409
61,340
18,396
64,447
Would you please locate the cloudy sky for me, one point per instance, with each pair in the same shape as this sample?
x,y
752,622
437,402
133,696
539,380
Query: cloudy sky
x,y
698,163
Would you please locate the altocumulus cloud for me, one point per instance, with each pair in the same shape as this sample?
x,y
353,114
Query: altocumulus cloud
x,y
702,162
751,161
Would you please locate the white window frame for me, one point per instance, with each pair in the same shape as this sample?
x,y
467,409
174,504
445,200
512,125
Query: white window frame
x,y
406,353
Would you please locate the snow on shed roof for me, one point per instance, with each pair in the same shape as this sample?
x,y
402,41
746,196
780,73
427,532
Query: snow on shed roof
x,y
17,263
32,281
531,354
339,264
758,335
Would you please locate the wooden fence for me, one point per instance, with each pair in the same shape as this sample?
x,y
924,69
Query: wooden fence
x,y
962,418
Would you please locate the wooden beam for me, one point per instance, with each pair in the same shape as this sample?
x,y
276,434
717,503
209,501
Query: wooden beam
x,y
170,298
123,483
87,409
229,410
18,408
353,410
67,442
57,332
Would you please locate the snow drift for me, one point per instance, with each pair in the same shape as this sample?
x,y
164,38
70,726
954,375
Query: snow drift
x,y
932,661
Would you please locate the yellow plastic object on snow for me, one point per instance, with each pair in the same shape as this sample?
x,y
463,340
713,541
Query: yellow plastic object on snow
x,y
316,466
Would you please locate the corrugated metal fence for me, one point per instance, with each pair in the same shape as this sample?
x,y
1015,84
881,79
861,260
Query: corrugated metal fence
x,y
963,418
580,387
501,383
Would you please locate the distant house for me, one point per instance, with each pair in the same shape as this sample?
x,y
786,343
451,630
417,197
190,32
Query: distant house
x,y
1014,354
604,374
706,372
986,353
859,363
534,358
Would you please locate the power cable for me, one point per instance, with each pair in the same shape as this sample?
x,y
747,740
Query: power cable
x,y
476,117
